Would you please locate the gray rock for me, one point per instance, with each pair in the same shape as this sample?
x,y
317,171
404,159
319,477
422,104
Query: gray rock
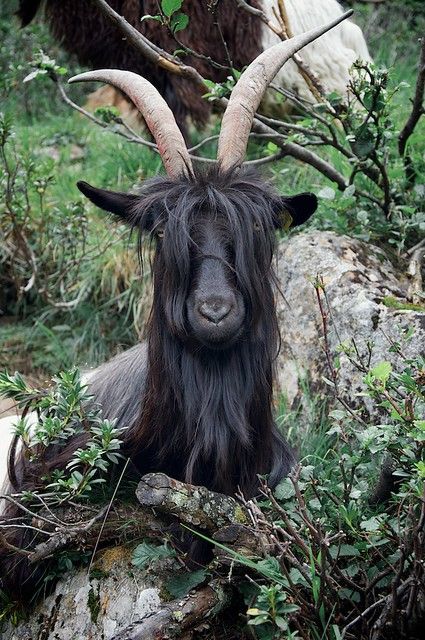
x,y
96,607
361,284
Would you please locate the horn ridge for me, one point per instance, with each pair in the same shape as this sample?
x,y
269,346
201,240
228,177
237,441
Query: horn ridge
x,y
157,114
249,91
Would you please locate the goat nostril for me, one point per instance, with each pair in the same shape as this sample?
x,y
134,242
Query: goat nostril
x,y
215,311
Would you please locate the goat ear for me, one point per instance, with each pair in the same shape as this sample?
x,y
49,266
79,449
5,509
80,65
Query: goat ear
x,y
292,211
121,204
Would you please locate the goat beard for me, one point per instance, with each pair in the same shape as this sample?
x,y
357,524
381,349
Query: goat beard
x,y
206,415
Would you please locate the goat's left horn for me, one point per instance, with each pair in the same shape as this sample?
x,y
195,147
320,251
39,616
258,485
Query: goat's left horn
x,y
249,91
156,112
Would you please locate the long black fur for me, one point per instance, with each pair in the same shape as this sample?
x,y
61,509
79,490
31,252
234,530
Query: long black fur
x,y
199,414
83,31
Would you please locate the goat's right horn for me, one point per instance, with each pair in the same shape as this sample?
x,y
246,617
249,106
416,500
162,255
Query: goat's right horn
x,y
249,91
156,112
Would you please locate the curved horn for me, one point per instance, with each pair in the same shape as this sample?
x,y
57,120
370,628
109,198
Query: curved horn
x,y
249,90
156,112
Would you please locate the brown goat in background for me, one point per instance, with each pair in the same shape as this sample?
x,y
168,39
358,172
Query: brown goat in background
x,y
85,32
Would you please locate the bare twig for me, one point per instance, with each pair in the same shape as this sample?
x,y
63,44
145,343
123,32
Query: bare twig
x,y
284,32
260,14
106,513
173,65
154,54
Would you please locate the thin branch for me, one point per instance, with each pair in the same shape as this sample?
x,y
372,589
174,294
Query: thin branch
x,y
133,137
161,58
310,78
260,14
154,54
107,510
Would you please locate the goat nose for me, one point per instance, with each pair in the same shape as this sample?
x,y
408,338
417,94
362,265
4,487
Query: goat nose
x,y
215,311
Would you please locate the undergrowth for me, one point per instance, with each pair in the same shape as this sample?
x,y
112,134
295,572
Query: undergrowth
x,y
67,279
343,545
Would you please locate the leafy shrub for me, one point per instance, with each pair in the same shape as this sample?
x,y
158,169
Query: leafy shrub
x,y
342,558
63,413
348,557
68,279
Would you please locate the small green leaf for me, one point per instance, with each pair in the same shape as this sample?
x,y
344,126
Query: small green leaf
x,y
179,21
343,550
145,553
349,191
382,371
364,141
281,622
327,193
284,490
179,585
372,524
170,6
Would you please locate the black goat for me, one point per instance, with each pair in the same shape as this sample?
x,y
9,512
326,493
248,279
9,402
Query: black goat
x,y
198,404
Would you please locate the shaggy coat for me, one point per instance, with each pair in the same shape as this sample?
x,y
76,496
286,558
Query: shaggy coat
x,y
195,403
98,44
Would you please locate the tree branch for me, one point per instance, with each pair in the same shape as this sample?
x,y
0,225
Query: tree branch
x,y
163,59
417,103
152,53
195,506
179,616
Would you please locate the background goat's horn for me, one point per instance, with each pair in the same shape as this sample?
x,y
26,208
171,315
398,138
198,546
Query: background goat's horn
x,y
156,112
249,91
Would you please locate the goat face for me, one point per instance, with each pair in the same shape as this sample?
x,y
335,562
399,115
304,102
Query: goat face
x,y
215,307
214,245
213,262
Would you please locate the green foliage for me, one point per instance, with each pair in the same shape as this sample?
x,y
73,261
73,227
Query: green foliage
x,y
107,114
171,16
146,553
339,553
17,48
44,65
71,280
383,201
180,584
63,413
271,612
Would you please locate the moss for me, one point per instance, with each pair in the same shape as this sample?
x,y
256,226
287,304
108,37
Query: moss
x,y
98,574
240,516
401,305
164,594
112,557
93,603
178,616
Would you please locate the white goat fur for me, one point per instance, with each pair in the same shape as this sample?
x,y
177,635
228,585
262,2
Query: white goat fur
x,y
6,436
7,431
330,57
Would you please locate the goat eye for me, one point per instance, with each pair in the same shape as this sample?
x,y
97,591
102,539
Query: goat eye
x,y
159,232
257,226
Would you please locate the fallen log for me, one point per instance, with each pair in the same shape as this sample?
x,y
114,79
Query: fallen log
x,y
180,616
